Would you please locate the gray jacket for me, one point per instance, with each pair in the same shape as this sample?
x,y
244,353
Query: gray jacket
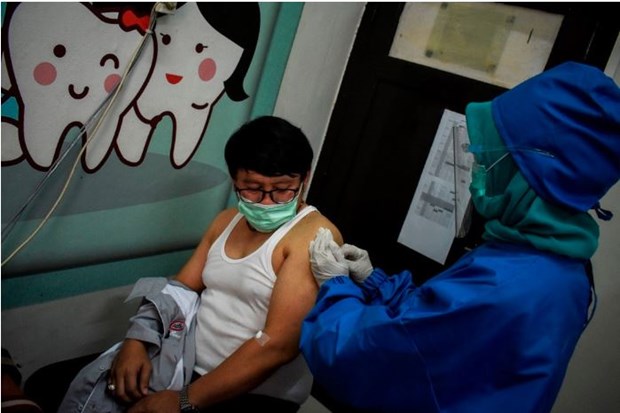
x,y
166,320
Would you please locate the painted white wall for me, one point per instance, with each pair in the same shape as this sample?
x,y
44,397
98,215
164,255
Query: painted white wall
x,y
319,56
591,383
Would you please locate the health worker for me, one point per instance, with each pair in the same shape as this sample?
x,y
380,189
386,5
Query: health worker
x,y
495,331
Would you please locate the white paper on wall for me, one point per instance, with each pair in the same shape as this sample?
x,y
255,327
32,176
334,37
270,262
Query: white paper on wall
x,y
440,200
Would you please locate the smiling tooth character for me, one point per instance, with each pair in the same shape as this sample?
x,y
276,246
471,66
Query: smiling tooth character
x,y
63,59
201,51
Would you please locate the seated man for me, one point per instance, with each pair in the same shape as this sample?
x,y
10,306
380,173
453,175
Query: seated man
x,y
252,272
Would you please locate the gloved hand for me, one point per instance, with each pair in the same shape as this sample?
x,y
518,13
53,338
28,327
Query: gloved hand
x,y
358,262
326,258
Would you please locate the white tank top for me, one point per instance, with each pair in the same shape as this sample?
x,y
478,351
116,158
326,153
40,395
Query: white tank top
x,y
233,308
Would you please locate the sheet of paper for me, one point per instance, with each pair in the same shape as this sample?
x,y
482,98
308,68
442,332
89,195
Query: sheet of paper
x,y
440,200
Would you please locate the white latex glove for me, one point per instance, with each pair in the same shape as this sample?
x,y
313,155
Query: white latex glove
x,y
358,261
326,258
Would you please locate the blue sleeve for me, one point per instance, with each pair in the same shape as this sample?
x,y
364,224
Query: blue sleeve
x,y
494,332
353,336
379,288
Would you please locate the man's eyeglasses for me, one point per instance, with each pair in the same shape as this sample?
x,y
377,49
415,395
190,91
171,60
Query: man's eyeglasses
x,y
279,196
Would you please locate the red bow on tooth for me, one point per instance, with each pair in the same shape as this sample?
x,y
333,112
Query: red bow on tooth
x,y
130,21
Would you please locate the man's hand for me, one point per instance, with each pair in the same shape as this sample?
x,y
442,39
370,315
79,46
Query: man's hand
x,y
130,372
326,258
166,401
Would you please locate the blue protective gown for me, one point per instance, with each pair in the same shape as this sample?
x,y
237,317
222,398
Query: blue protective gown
x,y
493,333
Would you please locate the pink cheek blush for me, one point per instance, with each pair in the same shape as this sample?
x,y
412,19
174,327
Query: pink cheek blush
x,y
110,82
207,69
44,73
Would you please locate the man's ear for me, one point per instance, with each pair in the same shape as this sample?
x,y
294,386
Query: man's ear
x,y
306,181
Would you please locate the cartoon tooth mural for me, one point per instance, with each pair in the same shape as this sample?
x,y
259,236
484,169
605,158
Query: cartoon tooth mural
x,y
63,59
203,71
11,150
201,51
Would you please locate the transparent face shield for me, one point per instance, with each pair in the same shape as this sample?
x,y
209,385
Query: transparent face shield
x,y
463,162
470,176
472,165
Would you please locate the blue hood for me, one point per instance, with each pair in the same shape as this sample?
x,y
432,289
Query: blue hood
x,y
573,112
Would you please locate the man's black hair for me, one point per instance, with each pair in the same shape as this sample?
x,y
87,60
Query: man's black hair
x,y
270,146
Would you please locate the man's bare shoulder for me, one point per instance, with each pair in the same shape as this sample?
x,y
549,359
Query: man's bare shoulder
x,y
307,228
225,216
220,222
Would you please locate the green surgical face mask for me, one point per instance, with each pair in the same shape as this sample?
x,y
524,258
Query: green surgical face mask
x,y
268,218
